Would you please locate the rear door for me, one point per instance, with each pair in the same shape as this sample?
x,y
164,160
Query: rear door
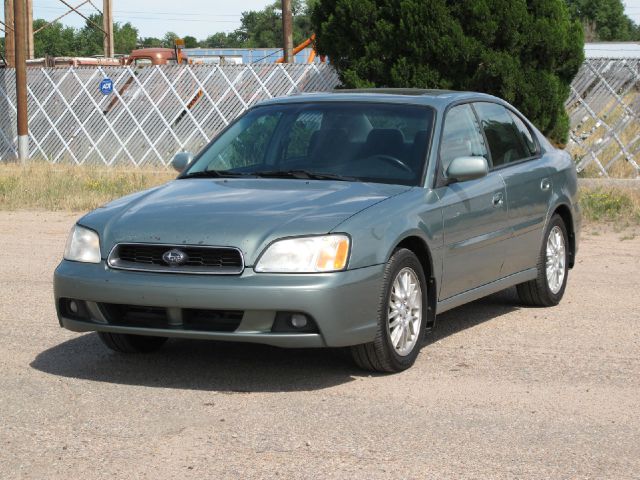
x,y
516,157
474,212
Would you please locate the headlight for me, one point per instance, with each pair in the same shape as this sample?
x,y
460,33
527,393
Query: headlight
x,y
83,245
328,253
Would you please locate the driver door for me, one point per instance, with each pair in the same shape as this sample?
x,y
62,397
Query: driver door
x,y
475,217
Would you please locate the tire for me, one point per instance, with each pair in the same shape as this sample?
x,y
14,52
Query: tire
x,y
125,343
544,291
392,351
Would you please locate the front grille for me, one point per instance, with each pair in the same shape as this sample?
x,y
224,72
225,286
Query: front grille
x,y
182,319
199,259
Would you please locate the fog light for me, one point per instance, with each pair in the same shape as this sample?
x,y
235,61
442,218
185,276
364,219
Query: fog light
x,y
293,322
73,307
298,320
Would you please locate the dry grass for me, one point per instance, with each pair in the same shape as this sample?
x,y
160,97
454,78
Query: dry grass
x,y
42,186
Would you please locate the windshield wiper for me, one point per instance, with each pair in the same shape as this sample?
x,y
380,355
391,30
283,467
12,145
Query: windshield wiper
x,y
304,175
215,174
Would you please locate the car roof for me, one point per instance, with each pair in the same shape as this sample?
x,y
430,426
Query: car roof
x,y
415,96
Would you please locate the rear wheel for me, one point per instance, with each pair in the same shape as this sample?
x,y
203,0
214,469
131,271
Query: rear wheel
x,y
125,343
401,317
548,288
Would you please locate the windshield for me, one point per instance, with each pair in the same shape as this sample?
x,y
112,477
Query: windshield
x,y
370,142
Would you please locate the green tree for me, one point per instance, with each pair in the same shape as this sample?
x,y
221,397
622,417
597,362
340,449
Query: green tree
x,y
125,37
54,40
526,52
150,42
603,20
263,28
190,42
223,40
89,40
169,39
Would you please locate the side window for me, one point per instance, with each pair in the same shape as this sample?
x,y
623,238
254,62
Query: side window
x,y
142,62
525,135
505,140
461,136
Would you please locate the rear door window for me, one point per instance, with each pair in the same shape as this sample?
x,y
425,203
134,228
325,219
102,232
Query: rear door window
x,y
506,142
529,143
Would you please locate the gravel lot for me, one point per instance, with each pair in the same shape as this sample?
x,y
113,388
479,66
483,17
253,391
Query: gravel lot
x,y
498,391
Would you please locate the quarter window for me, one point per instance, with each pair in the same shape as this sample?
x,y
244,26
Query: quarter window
x,y
461,136
506,142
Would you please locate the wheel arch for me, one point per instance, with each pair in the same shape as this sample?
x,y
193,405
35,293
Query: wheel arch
x,y
420,249
564,212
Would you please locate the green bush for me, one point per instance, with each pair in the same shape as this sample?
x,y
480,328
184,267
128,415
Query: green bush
x,y
526,52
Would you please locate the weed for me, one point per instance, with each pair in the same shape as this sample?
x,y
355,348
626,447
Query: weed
x,y
611,205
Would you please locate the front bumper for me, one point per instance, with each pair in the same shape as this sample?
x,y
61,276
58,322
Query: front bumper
x,y
344,305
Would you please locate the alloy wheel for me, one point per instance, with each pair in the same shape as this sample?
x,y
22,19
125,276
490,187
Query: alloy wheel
x,y
556,259
404,316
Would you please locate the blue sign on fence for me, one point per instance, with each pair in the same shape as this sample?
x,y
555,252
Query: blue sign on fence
x,y
106,86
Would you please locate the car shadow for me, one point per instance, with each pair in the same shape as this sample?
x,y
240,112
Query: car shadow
x,y
238,367
474,313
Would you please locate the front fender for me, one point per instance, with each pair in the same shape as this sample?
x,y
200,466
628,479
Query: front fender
x,y
378,230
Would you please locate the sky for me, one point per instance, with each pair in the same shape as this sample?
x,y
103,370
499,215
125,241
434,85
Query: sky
x,y
153,18
198,18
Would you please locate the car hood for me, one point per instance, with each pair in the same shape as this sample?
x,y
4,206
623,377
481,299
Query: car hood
x,y
243,213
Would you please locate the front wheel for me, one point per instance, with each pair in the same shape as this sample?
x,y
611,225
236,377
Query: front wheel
x,y
125,343
548,288
401,317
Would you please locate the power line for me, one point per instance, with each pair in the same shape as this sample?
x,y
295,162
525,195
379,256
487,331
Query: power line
x,y
125,15
173,14
116,15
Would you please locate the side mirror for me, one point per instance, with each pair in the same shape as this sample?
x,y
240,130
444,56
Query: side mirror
x,y
181,160
462,169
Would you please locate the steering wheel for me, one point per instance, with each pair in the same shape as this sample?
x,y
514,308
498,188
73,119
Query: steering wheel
x,y
396,162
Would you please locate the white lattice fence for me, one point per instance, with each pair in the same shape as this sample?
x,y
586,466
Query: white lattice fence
x,y
152,113
157,111
604,109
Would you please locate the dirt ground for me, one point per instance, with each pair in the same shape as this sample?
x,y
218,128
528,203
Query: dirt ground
x,y
499,391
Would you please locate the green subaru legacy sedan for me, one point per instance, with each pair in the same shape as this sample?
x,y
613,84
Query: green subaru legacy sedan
x,y
347,219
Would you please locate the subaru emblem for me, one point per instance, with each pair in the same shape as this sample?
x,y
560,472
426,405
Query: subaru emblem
x,y
175,257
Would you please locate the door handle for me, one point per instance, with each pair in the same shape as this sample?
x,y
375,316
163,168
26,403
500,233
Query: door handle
x,y
545,184
498,199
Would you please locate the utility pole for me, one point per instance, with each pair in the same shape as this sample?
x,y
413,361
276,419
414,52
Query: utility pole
x,y
287,31
107,26
19,26
9,44
29,21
